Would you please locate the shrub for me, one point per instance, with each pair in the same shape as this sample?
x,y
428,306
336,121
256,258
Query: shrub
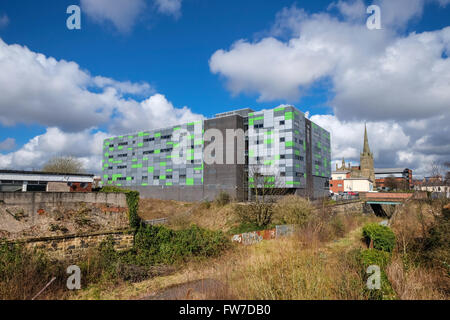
x,y
370,257
158,244
255,213
223,199
132,202
383,237
293,210
376,257
23,273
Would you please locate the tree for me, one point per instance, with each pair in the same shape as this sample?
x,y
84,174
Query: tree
x,y
390,182
447,175
64,164
265,186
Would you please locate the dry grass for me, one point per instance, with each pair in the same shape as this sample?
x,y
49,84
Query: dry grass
x,y
292,268
413,275
417,283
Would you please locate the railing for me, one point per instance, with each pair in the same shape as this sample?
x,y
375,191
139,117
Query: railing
x,y
344,197
156,222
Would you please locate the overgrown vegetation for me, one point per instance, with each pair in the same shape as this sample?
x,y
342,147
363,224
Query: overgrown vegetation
x,y
23,273
381,237
223,199
132,202
420,267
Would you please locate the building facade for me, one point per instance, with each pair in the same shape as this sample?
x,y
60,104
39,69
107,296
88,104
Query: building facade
x,y
360,178
288,150
34,181
402,177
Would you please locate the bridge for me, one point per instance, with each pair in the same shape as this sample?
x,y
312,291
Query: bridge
x,y
389,198
379,199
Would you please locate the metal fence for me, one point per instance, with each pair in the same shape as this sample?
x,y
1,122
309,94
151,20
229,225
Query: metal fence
x,y
157,222
344,197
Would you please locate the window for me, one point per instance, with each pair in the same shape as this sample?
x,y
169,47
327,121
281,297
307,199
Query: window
x,y
282,139
121,167
168,177
144,178
123,144
166,137
149,152
124,155
258,126
149,140
282,156
282,123
182,176
282,174
155,177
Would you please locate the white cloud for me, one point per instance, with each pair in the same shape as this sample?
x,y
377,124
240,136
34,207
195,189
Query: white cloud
x,y
121,13
375,75
35,89
4,21
84,145
169,7
7,144
155,112
394,144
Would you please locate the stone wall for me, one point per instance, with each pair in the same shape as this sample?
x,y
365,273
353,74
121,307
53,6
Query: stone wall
x,y
31,215
74,248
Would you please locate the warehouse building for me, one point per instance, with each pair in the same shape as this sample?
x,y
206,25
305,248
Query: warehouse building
x,y
35,181
237,152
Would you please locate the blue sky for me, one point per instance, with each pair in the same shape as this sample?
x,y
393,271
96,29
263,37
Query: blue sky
x,y
175,53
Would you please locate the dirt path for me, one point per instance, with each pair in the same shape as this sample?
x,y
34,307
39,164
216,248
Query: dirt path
x,y
194,290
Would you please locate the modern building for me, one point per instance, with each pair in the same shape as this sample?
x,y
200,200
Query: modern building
x,y
401,176
34,181
279,149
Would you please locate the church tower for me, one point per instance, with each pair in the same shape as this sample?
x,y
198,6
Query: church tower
x,y
366,160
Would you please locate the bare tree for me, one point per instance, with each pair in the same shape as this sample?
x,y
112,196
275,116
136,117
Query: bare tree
x,y
390,182
64,164
265,187
447,175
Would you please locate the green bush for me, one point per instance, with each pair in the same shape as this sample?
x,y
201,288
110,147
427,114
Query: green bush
x,y
132,202
158,244
383,237
371,257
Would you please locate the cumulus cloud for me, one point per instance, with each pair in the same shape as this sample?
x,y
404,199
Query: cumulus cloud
x,y
4,20
409,144
373,73
399,83
7,144
121,13
169,7
124,14
35,89
85,145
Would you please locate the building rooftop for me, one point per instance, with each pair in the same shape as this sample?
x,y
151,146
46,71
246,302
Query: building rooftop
x,y
390,170
45,173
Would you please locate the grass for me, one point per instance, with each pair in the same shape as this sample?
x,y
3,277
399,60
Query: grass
x,y
298,267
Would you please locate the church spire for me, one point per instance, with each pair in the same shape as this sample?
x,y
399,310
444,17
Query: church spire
x,y
366,149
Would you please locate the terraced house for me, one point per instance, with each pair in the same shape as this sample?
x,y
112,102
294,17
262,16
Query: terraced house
x,y
288,151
